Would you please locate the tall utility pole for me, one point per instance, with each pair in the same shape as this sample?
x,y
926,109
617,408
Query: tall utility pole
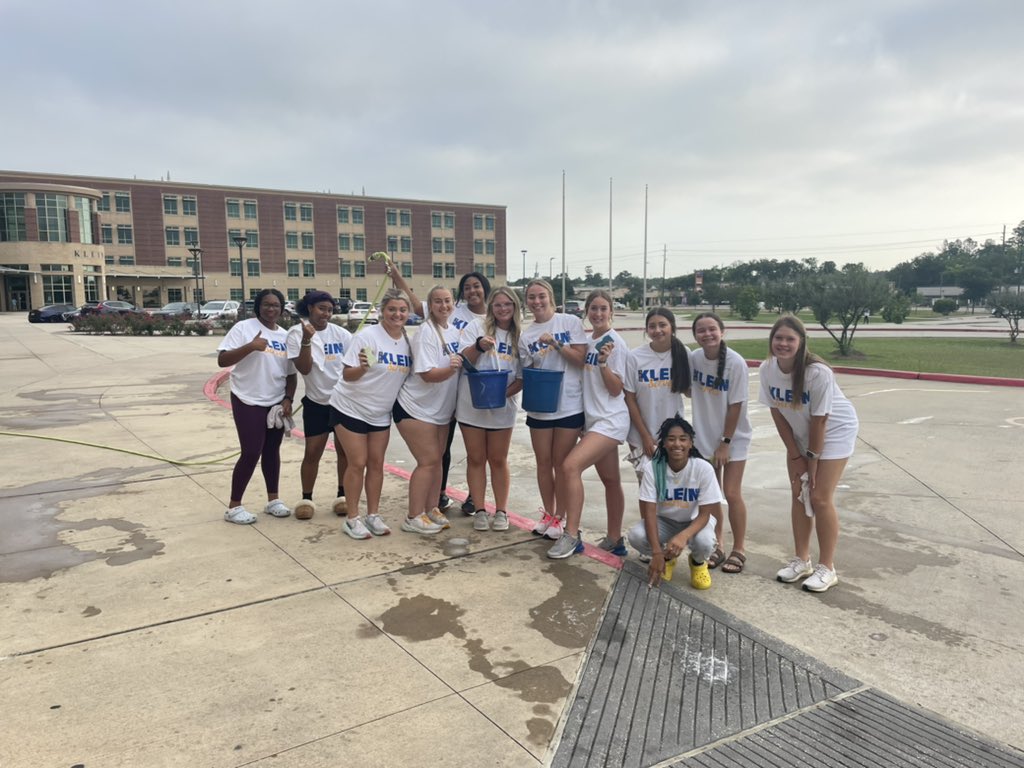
x,y
664,256
240,241
610,235
643,299
563,238
524,266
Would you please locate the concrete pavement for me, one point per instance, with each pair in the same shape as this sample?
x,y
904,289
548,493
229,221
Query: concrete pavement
x,y
137,628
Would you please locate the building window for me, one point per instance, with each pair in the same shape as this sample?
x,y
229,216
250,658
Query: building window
x,y
490,270
51,213
291,239
108,258
232,234
479,267
170,205
252,238
250,209
189,207
126,261
234,211
435,219
346,293
174,261
478,247
191,236
234,267
92,288
358,243
406,269
406,244
174,294
308,268
106,233
172,236
478,221
392,243
124,234
252,267
235,294
449,245
361,294
290,212
357,215
307,241
490,247
438,271
58,289
449,270
122,202
391,217
104,203
344,242
293,267
489,222
405,218
344,268
306,212
293,294
449,220
342,215
436,245
12,217
360,268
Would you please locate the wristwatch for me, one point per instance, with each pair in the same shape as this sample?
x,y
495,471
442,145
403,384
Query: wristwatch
x,y
726,440
810,454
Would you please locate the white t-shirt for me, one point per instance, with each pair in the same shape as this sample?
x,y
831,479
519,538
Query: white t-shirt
x,y
711,399
685,491
327,348
821,396
371,398
504,357
605,414
259,377
649,377
462,317
568,329
432,403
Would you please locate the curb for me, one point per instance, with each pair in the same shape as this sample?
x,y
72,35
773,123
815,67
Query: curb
x,y
952,378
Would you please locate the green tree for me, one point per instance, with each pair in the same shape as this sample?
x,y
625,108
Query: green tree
x,y
896,308
977,283
944,306
746,303
847,295
1009,306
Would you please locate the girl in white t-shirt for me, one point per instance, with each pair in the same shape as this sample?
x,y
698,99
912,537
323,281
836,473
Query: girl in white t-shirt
x,y
818,426
657,377
316,347
262,377
376,365
555,342
719,395
491,344
679,503
424,409
605,428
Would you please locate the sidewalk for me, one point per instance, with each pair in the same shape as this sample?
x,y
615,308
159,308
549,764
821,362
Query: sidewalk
x,y
137,628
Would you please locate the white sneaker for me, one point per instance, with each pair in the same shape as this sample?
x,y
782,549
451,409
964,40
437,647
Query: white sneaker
x,y
795,570
420,524
481,521
555,529
437,517
277,508
355,528
500,521
377,526
566,546
822,579
542,525
240,516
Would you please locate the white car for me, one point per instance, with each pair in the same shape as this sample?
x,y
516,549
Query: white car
x,y
219,310
363,309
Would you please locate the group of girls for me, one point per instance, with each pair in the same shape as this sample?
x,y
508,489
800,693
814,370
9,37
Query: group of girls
x,y
357,385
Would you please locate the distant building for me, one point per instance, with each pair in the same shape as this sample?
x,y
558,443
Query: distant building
x,y
940,292
72,239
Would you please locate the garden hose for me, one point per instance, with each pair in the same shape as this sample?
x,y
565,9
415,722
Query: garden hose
x,y
176,462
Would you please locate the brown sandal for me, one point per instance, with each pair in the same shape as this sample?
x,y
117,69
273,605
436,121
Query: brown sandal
x,y
717,558
734,563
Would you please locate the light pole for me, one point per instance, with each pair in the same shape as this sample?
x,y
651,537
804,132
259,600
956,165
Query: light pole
x,y
524,266
197,270
551,268
240,241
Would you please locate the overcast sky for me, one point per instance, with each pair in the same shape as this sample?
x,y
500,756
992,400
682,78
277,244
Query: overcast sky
x,y
851,130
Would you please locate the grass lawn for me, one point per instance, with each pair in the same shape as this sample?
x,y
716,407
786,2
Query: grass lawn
x,y
976,357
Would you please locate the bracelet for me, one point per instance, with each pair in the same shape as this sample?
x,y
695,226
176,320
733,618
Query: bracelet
x,y
306,344
602,365
477,344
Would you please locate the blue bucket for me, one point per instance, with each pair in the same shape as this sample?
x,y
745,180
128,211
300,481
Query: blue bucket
x,y
487,388
541,390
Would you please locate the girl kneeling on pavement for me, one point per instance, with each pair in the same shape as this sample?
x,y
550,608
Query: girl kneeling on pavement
x,y
680,500
316,346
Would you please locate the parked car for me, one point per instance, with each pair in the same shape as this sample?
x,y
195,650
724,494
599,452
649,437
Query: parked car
x,y
571,308
175,309
109,308
363,309
618,305
219,310
51,313
77,312
413,319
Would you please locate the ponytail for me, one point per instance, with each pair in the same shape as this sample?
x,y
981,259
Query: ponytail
x,y
680,366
